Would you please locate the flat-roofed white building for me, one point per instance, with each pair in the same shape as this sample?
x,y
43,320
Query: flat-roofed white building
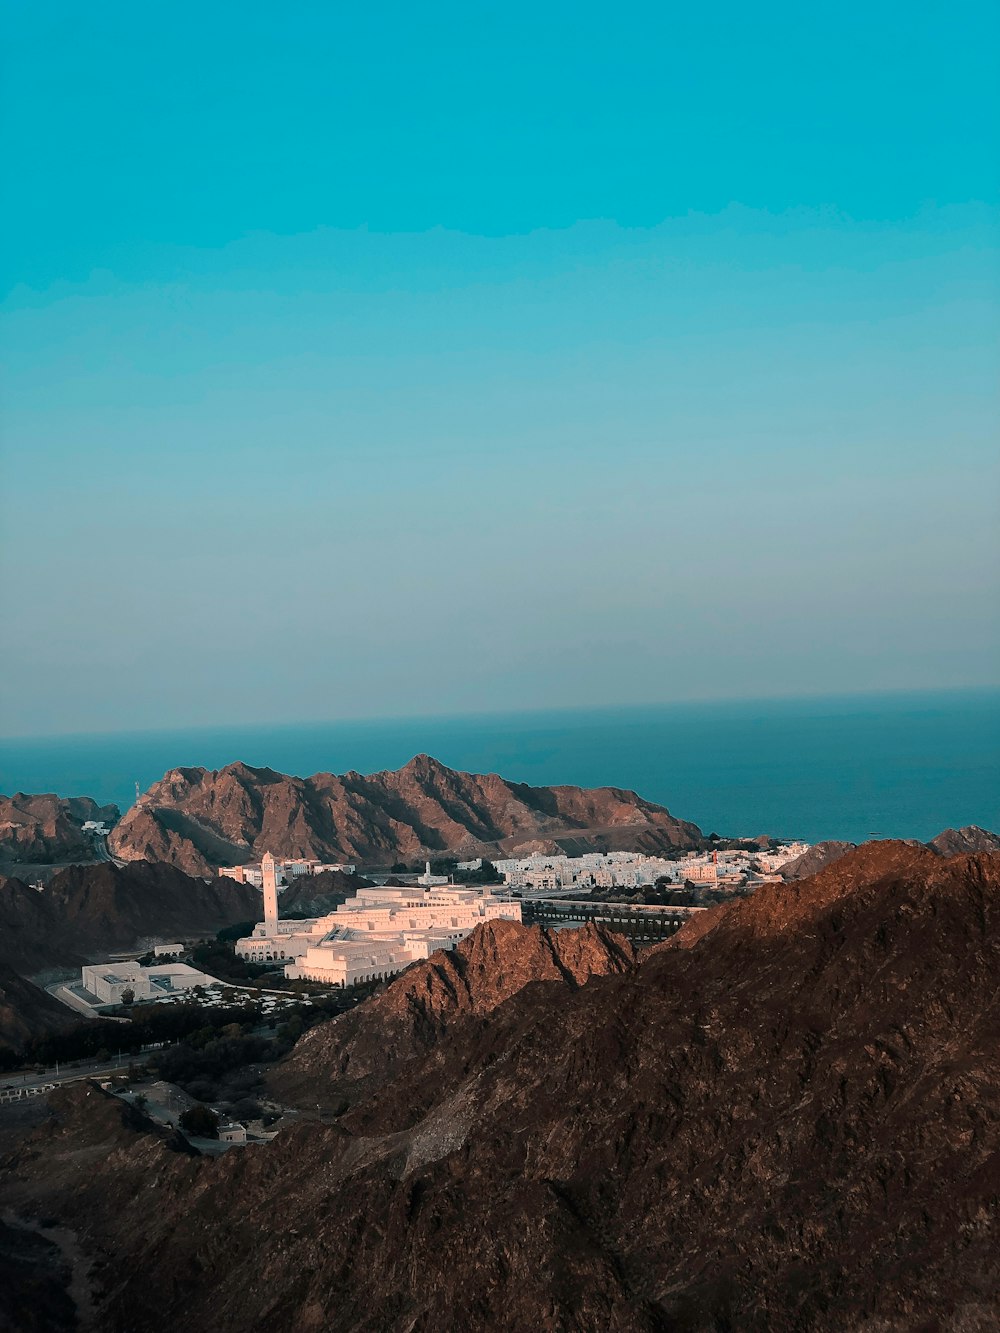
x,y
109,981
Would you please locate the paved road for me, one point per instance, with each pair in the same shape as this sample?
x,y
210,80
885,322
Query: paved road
x,y
93,1069
101,852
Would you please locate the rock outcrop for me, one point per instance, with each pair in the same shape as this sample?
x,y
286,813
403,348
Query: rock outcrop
x,y
955,842
792,1123
198,819
46,830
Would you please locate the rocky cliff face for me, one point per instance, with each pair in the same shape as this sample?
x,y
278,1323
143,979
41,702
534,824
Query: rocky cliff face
x,y
792,1123
48,829
196,819
85,912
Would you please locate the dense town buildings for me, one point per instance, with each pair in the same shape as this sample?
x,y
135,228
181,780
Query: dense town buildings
x,y
633,870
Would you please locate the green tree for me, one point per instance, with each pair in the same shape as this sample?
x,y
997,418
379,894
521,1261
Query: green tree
x,y
201,1121
128,996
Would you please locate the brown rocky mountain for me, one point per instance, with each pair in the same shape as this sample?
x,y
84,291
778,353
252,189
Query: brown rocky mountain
x,y
367,1046
953,842
86,912
788,1120
196,819
46,829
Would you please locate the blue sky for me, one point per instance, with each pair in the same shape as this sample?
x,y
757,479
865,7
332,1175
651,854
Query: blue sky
x,y
401,359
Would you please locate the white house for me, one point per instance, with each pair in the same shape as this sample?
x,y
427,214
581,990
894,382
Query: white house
x,y
109,981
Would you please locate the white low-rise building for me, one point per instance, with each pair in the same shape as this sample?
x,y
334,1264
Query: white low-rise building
x,y
109,981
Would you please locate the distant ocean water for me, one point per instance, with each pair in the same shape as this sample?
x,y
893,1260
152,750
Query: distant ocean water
x,y
895,766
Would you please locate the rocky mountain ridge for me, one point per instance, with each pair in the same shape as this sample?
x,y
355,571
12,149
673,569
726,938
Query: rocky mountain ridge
x,y
46,829
955,842
198,819
950,842
785,1120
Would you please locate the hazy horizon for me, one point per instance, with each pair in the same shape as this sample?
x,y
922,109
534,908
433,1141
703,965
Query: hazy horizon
x,y
373,363
845,699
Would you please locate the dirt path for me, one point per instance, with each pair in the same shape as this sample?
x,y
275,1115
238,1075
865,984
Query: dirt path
x,y
79,1287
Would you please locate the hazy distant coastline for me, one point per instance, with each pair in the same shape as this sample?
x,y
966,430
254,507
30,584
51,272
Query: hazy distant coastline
x,y
901,765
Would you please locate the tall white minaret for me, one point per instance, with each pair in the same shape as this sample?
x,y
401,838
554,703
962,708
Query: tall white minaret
x,y
270,894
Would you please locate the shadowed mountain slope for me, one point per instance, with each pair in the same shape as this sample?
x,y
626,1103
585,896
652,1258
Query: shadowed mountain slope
x,y
26,1010
85,912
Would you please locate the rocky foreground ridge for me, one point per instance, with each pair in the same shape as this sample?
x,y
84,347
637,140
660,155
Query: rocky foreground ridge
x,y
786,1118
48,829
339,1063
198,819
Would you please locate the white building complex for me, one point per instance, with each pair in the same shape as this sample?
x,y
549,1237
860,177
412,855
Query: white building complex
x,y
373,935
109,981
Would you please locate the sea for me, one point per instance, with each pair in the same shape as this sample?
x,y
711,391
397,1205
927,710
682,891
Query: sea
x,y
852,768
